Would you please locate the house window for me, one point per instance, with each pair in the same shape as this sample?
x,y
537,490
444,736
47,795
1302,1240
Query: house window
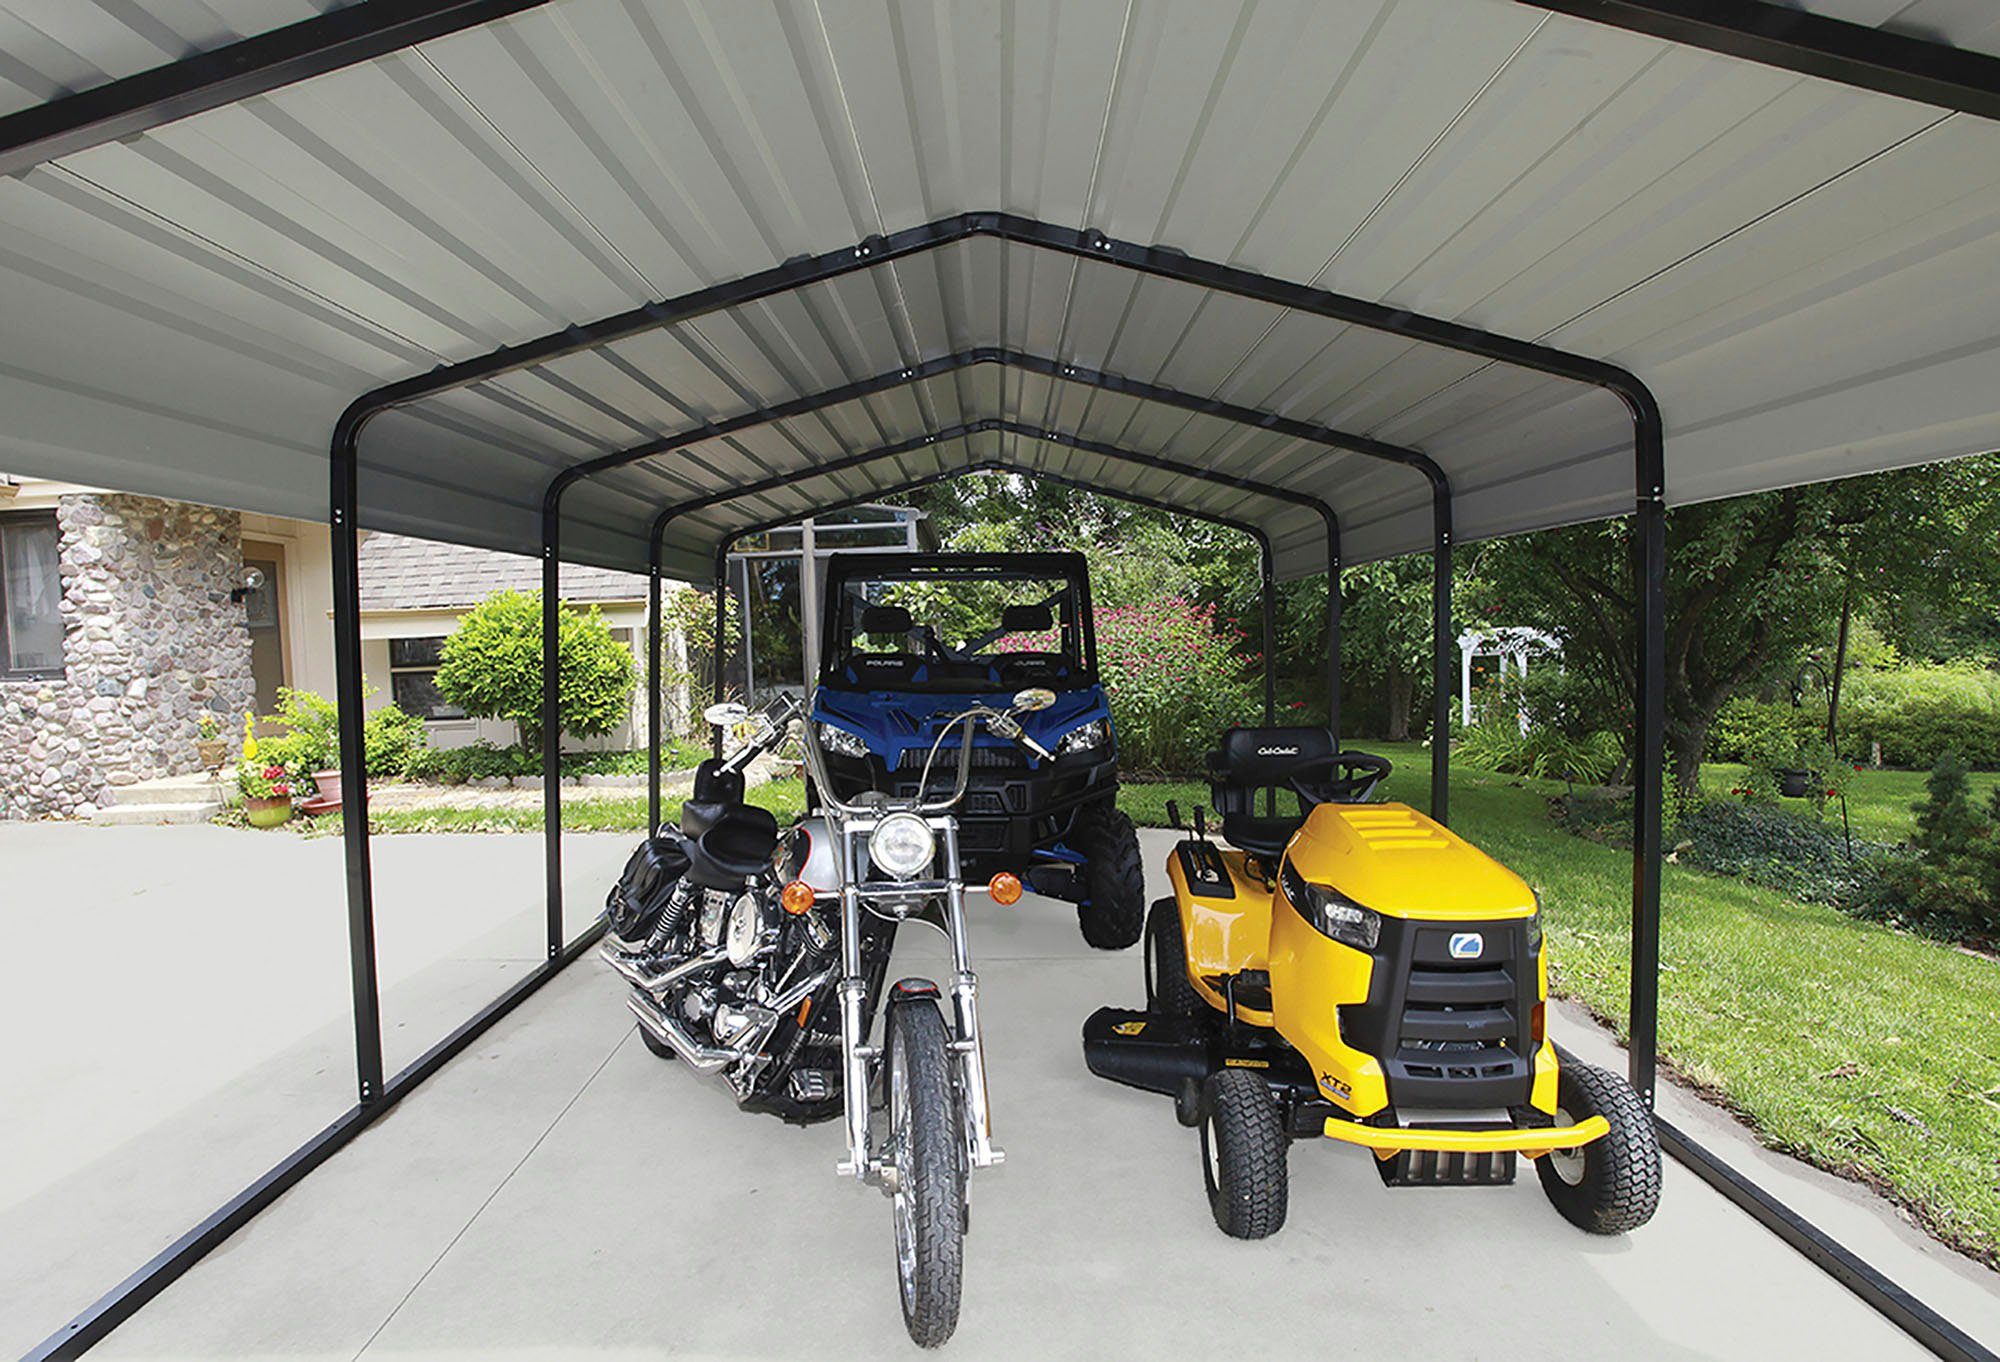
x,y
413,664
31,626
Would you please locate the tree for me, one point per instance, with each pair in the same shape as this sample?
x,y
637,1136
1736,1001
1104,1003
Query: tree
x,y
492,667
1754,583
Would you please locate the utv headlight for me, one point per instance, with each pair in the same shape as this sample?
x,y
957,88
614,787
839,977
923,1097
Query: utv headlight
x,y
1331,911
1084,738
840,742
902,844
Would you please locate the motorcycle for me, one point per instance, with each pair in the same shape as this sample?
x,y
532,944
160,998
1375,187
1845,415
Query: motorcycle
x,y
763,959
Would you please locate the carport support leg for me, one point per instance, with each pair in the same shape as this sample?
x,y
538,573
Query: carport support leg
x,y
552,725
1270,610
347,690
1649,562
721,619
1333,629
653,694
1441,646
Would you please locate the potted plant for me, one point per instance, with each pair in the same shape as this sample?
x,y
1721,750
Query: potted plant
x,y
210,747
264,784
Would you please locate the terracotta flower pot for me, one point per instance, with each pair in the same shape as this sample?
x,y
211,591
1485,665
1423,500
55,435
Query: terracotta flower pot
x,y
329,785
268,813
213,753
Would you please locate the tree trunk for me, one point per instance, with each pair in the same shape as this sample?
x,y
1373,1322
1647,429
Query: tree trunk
x,y
1401,686
1687,742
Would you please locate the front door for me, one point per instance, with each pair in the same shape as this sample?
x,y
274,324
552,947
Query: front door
x,y
264,611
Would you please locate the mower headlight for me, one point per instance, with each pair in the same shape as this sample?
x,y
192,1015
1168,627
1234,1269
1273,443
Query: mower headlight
x,y
1535,930
1331,911
902,844
840,742
1084,738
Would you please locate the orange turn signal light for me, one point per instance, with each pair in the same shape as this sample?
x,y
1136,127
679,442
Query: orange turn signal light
x,y
1004,887
797,898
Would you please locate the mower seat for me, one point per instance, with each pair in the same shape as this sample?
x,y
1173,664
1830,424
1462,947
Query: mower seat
x,y
1250,761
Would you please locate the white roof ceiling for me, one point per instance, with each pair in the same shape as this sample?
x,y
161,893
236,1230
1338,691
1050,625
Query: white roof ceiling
x,y
1805,274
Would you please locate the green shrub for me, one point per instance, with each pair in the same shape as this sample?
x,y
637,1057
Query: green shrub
x,y
1783,848
1744,726
1952,884
1545,751
313,743
424,763
1175,682
390,737
492,667
1918,713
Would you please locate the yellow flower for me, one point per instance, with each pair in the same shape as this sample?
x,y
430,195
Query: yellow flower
x,y
249,737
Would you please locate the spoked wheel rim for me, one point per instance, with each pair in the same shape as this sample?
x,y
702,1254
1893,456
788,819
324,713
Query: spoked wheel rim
x,y
1566,1164
901,1204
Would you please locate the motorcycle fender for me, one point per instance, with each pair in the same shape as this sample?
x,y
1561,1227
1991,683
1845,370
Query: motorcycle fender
x,y
810,856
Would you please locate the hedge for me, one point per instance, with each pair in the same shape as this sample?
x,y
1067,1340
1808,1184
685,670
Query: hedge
x,y
1916,714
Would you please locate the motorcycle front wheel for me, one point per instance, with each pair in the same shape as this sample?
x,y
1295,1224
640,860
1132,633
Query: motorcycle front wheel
x,y
925,1131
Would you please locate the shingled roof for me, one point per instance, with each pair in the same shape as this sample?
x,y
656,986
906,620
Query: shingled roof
x,y
401,573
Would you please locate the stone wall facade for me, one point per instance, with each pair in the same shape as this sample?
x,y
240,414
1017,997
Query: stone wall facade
x,y
151,641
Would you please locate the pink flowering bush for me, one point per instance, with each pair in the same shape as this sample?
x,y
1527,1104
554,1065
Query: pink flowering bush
x,y
1176,679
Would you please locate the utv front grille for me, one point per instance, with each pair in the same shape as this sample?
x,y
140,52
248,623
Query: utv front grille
x,y
983,759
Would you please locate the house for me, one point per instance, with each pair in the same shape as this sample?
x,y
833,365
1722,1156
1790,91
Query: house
x,y
125,620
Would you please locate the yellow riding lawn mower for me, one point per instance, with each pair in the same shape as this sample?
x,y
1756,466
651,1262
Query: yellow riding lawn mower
x,y
1359,972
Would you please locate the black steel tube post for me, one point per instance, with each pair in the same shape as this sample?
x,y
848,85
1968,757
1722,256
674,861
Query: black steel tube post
x,y
1333,630
1442,638
653,724
721,631
1268,572
348,692
552,718
1649,564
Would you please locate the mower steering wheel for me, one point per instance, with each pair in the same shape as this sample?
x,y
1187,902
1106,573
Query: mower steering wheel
x,y
1369,769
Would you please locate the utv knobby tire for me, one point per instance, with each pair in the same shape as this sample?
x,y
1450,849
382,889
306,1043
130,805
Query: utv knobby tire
x,y
655,1044
917,1048
1114,913
1612,1184
1167,983
1243,1155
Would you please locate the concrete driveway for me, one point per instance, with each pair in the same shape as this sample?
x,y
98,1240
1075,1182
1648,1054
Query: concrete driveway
x,y
176,1008
557,1192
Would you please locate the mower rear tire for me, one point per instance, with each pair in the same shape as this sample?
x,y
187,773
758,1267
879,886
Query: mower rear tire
x,y
1612,1184
1114,913
1167,981
1243,1146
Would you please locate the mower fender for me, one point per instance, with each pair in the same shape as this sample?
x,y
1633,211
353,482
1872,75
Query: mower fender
x,y
1225,929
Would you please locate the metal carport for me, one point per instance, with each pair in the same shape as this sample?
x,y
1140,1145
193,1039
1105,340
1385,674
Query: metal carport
x,y
619,281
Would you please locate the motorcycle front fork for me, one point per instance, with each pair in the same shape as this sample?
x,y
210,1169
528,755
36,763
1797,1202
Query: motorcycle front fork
x,y
862,1059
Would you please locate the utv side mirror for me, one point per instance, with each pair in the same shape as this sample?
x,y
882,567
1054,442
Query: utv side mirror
x,y
1035,697
726,715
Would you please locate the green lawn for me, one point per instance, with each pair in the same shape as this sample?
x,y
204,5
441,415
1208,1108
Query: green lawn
x,y
1878,802
1863,1050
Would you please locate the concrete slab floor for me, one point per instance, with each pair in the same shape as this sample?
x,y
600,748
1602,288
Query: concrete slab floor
x,y
558,1192
176,1012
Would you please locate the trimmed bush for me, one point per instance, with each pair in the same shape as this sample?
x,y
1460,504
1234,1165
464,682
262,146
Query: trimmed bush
x,y
391,737
492,667
1920,713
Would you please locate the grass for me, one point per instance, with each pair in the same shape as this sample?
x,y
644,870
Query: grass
x,y
1868,1052
1878,802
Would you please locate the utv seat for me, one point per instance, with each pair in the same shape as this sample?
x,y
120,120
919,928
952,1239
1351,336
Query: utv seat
x,y
1250,761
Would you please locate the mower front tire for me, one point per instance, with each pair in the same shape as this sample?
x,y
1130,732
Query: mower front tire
x,y
1114,913
1612,1184
1243,1155
1167,985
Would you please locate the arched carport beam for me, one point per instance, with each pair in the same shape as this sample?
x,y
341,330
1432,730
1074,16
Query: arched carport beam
x,y
1257,534
1159,262
1234,413
967,430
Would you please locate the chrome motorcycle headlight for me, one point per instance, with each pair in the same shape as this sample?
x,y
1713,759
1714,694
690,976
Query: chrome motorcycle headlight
x,y
840,742
902,845
1331,911
1085,738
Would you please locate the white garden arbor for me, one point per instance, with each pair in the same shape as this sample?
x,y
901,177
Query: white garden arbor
x,y
1511,646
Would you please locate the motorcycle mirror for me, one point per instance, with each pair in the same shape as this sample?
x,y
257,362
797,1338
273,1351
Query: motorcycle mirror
x,y
726,715
1035,697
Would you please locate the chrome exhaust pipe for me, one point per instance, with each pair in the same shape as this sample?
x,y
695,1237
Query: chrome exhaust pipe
x,y
630,970
662,1027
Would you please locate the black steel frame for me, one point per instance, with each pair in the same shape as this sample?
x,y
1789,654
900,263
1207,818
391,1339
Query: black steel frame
x,y
1649,564
1798,40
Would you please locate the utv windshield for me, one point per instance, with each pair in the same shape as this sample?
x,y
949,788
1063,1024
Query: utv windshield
x,y
970,626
